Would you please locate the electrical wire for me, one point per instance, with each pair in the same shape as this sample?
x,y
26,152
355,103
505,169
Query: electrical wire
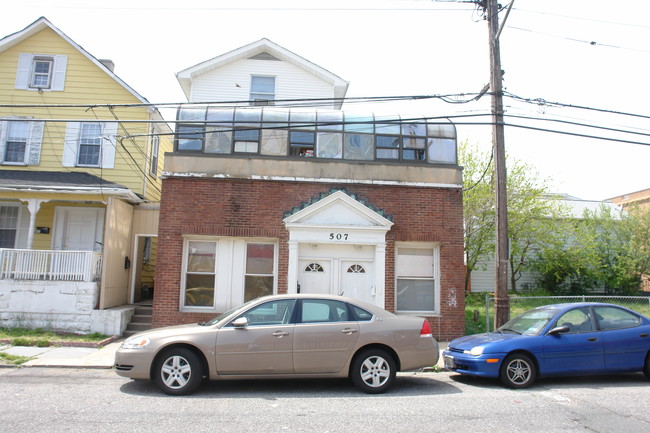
x,y
131,138
455,98
592,43
543,102
642,26
237,103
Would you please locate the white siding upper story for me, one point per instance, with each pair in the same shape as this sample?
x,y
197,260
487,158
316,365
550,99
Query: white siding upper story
x,y
232,82
228,77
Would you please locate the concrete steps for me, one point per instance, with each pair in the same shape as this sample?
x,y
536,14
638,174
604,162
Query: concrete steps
x,y
141,320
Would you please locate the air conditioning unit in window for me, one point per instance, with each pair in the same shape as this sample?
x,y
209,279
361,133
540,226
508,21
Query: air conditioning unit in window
x,y
262,102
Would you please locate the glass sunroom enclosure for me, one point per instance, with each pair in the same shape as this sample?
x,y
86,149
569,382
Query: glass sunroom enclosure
x,y
315,133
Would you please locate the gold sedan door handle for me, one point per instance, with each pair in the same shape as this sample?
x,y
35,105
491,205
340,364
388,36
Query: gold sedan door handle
x,y
349,331
280,334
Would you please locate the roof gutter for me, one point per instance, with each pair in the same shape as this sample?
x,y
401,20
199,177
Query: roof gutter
x,y
125,194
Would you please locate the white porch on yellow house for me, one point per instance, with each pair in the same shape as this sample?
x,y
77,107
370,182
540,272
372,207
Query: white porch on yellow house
x,y
66,240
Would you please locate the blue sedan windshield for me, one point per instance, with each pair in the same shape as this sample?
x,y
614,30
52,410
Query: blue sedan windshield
x,y
529,323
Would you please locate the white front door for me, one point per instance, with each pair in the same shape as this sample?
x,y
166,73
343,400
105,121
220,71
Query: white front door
x,y
356,277
78,229
337,270
315,276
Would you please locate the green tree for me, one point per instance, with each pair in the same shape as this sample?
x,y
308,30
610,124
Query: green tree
x,y
478,206
605,249
621,240
564,262
531,211
533,218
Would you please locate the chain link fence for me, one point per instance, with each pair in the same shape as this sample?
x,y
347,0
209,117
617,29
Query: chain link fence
x,y
520,304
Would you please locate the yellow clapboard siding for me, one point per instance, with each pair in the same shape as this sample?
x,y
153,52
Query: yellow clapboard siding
x,y
85,84
45,218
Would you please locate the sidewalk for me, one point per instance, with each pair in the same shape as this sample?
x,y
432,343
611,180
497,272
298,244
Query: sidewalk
x,y
84,357
66,357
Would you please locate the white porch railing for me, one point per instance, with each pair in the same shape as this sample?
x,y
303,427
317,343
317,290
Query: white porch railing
x,y
50,265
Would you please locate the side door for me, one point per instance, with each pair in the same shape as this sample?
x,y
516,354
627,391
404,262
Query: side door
x,y
625,342
263,346
580,350
325,336
76,229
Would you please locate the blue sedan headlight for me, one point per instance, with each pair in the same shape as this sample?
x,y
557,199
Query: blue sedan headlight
x,y
475,351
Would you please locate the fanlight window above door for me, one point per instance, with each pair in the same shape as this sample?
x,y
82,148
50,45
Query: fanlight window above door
x,y
356,269
314,267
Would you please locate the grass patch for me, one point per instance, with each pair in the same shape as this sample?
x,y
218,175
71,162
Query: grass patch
x,y
7,359
474,313
43,338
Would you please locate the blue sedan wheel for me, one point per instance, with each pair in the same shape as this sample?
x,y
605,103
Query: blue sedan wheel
x,y
646,367
518,371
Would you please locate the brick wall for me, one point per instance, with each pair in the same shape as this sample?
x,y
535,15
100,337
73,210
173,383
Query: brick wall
x,y
255,208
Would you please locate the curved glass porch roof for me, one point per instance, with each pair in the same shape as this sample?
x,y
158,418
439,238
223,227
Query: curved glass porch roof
x,y
315,133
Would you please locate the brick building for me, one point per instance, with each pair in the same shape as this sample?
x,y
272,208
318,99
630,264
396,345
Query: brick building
x,y
271,199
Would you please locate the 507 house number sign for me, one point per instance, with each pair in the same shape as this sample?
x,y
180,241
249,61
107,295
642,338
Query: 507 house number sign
x,y
339,236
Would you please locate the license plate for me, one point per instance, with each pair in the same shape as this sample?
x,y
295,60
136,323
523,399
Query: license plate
x,y
450,362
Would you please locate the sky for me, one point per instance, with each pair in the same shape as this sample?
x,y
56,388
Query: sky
x,y
590,54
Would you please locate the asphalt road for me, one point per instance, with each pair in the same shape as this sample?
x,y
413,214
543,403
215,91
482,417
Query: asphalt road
x,y
74,400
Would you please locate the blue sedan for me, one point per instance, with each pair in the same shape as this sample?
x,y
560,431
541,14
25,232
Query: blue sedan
x,y
556,340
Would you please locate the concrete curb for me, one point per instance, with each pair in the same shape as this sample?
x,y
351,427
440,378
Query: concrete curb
x,y
102,357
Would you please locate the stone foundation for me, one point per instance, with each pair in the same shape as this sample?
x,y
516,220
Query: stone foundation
x,y
62,306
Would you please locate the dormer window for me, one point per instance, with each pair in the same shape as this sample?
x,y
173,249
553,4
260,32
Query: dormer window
x,y
41,76
42,72
262,90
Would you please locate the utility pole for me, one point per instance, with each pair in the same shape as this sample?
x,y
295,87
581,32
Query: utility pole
x,y
501,300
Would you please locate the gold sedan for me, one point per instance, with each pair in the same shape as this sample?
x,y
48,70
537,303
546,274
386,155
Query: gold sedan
x,y
283,336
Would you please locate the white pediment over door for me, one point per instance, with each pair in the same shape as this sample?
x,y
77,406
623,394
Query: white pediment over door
x,y
334,226
338,209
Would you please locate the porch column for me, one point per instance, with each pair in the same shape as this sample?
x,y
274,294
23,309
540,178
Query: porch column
x,y
380,275
33,205
292,267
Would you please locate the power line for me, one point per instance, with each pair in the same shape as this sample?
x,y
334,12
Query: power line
x,y
453,119
451,98
541,101
616,23
135,145
238,103
592,43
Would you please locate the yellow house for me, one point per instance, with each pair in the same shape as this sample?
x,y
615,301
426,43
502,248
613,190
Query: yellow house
x,y
80,158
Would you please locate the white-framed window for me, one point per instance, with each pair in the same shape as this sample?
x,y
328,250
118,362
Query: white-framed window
x,y
200,274
90,144
259,275
219,273
155,149
417,285
9,217
262,90
42,72
20,141
16,142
